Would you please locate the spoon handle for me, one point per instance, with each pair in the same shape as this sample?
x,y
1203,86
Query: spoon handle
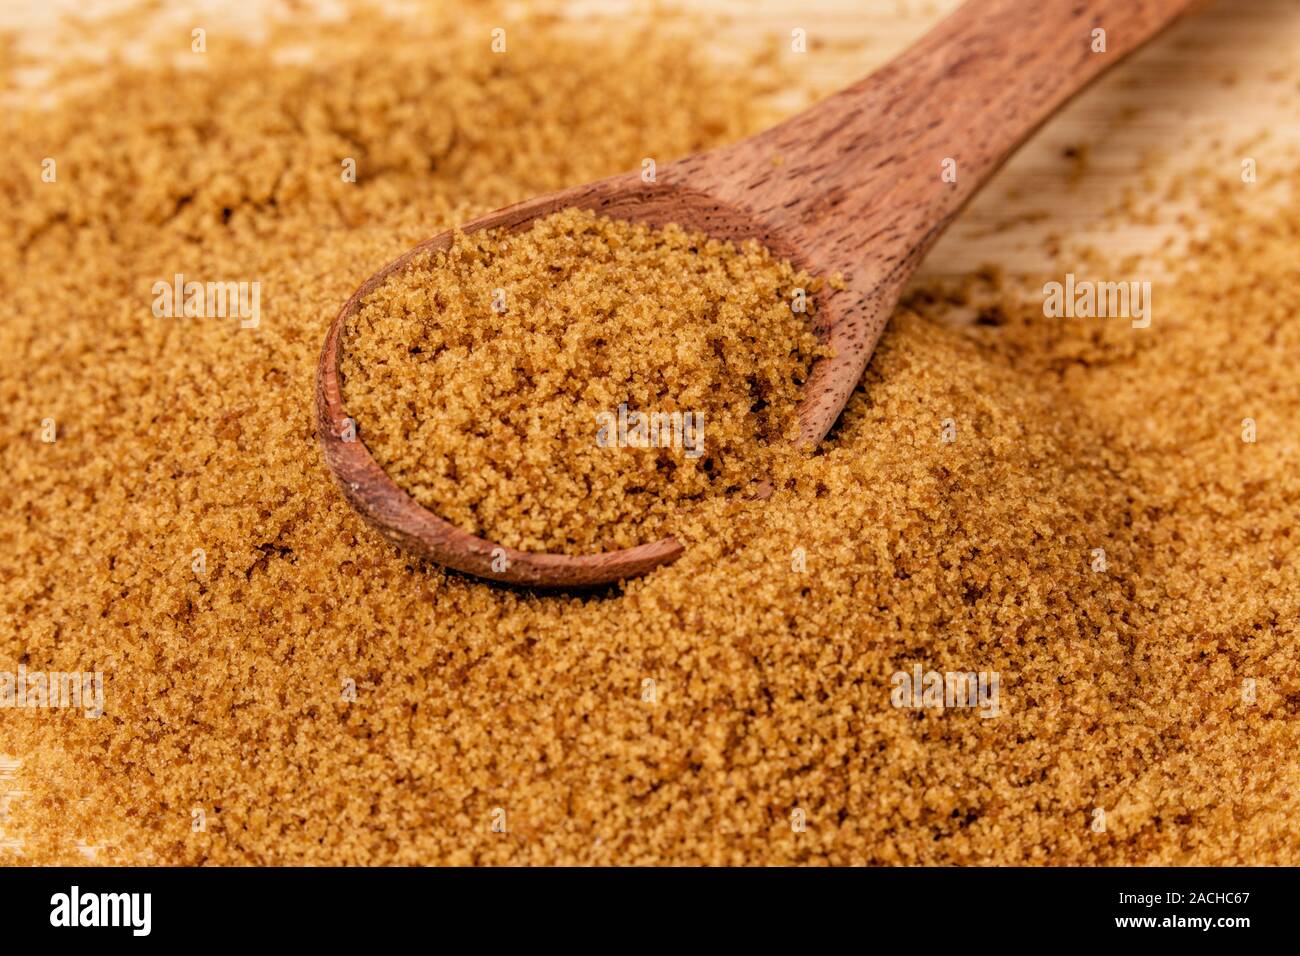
x,y
872,157
865,181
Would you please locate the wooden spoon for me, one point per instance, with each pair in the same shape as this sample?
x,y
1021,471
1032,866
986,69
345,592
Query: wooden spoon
x,y
855,185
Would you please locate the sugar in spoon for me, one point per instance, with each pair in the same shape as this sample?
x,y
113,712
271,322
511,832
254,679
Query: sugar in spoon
x,y
862,184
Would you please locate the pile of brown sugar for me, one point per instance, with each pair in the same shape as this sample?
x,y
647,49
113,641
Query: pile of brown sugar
x,y
578,386
282,686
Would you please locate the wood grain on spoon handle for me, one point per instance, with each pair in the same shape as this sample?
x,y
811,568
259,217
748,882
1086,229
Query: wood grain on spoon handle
x,y
972,89
855,181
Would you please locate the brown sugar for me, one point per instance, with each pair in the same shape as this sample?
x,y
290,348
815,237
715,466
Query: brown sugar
x,y
1071,504
575,387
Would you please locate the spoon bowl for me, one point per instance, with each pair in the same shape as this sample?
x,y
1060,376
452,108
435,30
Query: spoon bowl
x,y
370,490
